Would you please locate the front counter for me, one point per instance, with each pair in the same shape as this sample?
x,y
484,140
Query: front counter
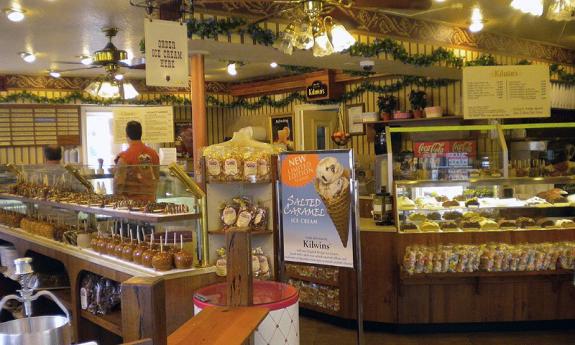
x,y
392,295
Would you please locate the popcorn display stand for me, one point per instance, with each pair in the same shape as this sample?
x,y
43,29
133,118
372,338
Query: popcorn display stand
x,y
280,327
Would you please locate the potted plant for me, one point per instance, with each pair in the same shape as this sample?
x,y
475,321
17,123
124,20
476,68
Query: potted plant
x,y
387,105
418,100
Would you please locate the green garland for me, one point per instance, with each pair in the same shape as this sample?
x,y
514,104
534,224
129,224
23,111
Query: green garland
x,y
241,102
210,28
399,53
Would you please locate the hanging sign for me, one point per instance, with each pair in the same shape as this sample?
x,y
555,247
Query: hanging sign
x,y
166,53
316,201
322,86
156,123
499,92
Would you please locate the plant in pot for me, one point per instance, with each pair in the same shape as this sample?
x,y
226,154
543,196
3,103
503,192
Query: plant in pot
x,y
418,100
387,105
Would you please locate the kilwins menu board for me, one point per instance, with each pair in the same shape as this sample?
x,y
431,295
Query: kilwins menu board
x,y
455,156
500,92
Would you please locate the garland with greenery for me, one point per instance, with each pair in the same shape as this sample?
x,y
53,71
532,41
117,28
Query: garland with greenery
x,y
210,28
241,102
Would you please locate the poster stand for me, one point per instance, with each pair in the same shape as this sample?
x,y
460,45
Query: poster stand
x,y
353,226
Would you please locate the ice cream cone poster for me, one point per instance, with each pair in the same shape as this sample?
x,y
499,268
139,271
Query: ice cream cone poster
x,y
316,203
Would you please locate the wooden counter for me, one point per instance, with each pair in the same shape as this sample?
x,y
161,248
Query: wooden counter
x,y
391,296
145,294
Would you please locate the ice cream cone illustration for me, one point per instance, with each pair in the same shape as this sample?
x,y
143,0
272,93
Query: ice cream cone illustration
x,y
332,185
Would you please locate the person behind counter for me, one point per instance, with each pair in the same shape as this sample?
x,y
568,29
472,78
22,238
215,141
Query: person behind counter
x,y
137,168
52,154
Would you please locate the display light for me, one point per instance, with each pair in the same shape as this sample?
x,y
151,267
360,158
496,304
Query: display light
x,y
534,7
28,57
232,69
15,14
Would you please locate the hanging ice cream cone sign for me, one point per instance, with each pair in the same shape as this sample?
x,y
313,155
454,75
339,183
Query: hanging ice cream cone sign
x,y
316,205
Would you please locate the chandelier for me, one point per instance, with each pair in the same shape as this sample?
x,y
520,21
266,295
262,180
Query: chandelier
x,y
312,31
112,85
562,10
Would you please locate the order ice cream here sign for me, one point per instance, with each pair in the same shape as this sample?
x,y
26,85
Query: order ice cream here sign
x,y
315,201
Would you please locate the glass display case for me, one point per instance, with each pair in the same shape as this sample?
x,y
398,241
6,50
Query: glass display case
x,y
502,204
483,177
127,204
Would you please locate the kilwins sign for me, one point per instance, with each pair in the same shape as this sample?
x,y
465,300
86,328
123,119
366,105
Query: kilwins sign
x,y
321,86
166,53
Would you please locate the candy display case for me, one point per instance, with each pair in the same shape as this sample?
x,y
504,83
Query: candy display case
x,y
79,218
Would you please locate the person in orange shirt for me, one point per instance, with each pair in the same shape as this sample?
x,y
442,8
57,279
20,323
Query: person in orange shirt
x,y
137,168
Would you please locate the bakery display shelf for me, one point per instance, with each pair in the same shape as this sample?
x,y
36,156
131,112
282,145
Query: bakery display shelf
x,y
314,280
426,277
318,309
124,214
424,120
111,322
467,231
490,181
464,208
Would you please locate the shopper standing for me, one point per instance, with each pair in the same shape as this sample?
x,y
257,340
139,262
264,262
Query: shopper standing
x,y
137,168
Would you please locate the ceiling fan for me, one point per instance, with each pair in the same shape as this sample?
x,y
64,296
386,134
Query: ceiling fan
x,y
110,57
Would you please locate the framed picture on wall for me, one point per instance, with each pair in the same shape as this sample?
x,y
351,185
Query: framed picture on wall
x,y
355,121
183,137
282,131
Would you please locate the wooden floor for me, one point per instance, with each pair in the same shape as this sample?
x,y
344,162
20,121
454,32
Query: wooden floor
x,y
314,332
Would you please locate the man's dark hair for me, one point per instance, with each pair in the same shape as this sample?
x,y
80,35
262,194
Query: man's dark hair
x,y
52,153
134,130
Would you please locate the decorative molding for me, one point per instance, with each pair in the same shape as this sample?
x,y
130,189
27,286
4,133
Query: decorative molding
x,y
28,82
421,30
378,23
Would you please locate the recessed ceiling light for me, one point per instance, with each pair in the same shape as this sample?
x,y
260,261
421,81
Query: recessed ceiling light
x,y
28,57
15,14
86,60
232,69
55,74
274,64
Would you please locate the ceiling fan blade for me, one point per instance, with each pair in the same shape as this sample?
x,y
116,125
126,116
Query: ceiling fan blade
x,y
68,62
394,4
77,69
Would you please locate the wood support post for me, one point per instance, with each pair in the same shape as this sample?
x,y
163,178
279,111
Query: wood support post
x,y
239,266
143,310
199,120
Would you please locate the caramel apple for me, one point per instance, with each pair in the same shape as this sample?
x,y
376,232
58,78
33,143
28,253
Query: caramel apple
x,y
128,251
149,253
102,245
111,245
139,249
182,259
162,261
119,249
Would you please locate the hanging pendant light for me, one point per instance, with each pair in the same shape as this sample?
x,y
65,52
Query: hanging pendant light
x,y
304,37
562,10
322,46
341,38
110,87
286,39
534,7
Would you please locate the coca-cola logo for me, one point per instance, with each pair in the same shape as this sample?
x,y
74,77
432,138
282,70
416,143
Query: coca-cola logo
x,y
425,148
462,146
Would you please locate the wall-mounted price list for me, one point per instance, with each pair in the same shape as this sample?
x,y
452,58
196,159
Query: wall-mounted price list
x,y
494,92
37,125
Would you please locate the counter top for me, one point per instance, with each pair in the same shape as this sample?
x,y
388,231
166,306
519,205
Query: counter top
x,y
99,259
367,224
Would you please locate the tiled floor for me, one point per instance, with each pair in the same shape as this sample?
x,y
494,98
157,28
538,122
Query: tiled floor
x,y
315,332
